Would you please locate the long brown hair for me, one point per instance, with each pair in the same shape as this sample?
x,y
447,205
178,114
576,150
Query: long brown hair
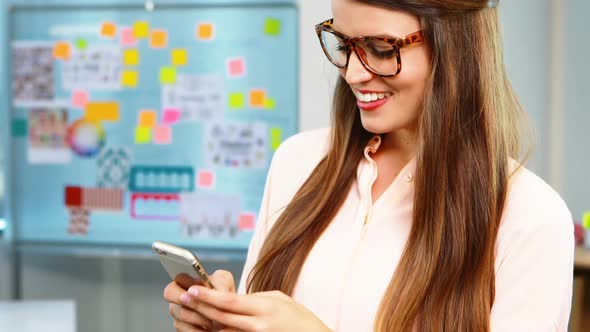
x,y
468,130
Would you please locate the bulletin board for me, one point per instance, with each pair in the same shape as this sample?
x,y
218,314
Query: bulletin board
x,y
132,125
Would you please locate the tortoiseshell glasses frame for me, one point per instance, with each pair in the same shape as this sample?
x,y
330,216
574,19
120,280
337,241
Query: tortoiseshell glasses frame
x,y
350,44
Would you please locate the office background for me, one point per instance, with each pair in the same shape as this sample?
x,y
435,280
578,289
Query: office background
x,y
546,56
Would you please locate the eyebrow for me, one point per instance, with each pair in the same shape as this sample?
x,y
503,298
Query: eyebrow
x,y
381,35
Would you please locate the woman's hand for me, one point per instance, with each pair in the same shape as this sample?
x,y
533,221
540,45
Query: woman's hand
x,y
187,319
257,312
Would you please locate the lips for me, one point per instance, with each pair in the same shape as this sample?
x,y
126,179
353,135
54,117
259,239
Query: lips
x,y
367,100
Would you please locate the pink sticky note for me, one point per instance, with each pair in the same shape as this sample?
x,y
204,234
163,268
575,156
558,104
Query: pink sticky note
x,y
246,221
80,98
236,67
170,116
205,179
162,134
127,37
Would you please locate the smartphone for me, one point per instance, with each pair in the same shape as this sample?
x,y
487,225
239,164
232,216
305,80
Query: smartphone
x,y
182,265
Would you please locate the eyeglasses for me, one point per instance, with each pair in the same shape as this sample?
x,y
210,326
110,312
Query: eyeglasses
x,y
380,56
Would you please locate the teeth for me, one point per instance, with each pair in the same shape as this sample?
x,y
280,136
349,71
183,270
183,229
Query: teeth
x,y
370,97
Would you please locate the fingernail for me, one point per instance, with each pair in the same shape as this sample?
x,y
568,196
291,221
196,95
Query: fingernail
x,y
185,299
194,291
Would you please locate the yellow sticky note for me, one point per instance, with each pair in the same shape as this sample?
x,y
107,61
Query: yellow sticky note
x,y
108,29
158,39
205,31
129,78
131,57
257,98
269,103
62,50
275,138
143,135
141,29
236,100
168,75
102,111
147,119
179,57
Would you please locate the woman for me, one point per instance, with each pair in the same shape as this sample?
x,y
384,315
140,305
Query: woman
x,y
409,214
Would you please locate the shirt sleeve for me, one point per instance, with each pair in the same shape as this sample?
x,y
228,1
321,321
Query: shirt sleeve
x,y
260,232
534,278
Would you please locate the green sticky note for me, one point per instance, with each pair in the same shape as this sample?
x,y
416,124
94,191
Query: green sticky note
x,y
275,138
168,75
269,103
236,100
81,43
586,220
19,127
272,27
143,135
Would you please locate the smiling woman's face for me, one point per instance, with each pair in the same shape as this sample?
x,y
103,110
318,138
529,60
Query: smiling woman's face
x,y
386,104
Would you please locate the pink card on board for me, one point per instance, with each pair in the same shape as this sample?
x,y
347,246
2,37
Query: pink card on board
x,y
205,179
170,116
236,67
80,98
162,134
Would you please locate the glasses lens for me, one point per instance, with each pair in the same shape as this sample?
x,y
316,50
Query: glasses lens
x,y
379,55
335,48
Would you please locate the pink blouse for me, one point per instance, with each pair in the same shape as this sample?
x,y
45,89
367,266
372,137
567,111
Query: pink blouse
x,y
349,268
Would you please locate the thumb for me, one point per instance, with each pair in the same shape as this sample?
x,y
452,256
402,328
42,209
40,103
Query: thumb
x,y
223,281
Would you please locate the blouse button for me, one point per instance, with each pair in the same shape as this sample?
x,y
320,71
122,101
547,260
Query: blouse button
x,y
409,177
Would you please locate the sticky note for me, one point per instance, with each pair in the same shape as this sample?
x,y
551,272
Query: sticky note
x,y
108,29
236,67
131,57
247,221
162,134
147,118
586,220
257,98
168,75
129,78
179,57
275,138
80,98
272,27
62,51
269,103
102,111
81,44
143,135
236,100
205,31
170,116
19,127
158,38
205,179
141,29
127,38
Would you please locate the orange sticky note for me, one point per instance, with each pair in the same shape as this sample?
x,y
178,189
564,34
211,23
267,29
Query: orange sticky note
x,y
257,98
141,29
129,78
205,31
158,38
131,57
179,57
162,134
62,50
108,29
102,111
147,119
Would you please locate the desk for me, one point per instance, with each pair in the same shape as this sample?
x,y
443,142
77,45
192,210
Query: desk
x,y
34,316
580,320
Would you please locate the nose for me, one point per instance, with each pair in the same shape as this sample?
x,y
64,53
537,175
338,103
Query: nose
x,y
356,72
